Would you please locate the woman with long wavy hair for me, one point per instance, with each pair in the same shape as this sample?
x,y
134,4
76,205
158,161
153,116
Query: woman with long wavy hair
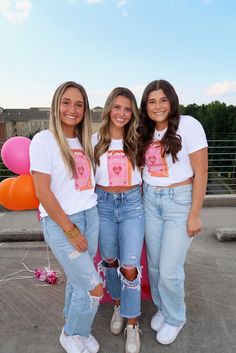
x,y
62,167
172,151
120,211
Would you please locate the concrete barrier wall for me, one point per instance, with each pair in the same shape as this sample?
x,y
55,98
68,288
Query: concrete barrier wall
x,y
210,201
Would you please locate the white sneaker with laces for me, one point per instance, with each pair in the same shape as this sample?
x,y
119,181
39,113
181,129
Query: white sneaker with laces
x,y
73,344
157,321
116,325
133,340
92,344
168,333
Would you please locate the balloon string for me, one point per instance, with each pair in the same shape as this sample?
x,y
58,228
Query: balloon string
x,y
49,265
22,262
14,278
11,276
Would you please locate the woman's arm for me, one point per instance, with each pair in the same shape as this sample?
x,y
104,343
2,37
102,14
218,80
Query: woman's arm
x,y
50,203
199,163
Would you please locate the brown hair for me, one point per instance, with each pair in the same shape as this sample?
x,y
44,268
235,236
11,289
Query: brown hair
x,y
171,141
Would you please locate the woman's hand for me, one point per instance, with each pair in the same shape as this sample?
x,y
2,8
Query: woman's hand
x,y
194,225
76,238
79,242
47,198
199,163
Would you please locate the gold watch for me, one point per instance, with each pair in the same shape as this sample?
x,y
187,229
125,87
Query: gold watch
x,y
71,234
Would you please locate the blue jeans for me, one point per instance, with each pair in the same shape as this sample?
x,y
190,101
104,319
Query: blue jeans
x,y
167,242
121,237
80,307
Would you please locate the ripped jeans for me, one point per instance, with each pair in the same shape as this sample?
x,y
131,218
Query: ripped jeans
x,y
80,307
121,235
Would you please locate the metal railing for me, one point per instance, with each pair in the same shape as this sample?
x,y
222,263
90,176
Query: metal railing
x,y
4,172
222,166
221,172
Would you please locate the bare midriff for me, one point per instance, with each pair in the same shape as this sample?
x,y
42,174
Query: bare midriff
x,y
185,182
116,188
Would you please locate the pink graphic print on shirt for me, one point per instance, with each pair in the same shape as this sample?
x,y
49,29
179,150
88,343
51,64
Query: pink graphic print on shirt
x,y
156,164
83,168
119,168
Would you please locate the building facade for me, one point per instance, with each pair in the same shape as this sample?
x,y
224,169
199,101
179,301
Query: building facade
x,y
27,122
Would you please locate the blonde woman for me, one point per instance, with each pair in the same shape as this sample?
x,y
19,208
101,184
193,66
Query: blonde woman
x,y
61,165
120,211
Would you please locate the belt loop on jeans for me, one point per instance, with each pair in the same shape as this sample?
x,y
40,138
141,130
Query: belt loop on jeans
x,y
172,192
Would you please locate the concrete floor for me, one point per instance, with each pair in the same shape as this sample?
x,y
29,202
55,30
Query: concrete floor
x,y
31,313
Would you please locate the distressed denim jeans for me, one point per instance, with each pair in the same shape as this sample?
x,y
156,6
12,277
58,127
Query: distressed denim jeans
x,y
121,235
80,307
167,243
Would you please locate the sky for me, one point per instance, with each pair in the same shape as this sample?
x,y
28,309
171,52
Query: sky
x,y
103,44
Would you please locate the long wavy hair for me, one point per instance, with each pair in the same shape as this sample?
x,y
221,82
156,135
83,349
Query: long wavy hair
x,y
130,138
171,141
83,130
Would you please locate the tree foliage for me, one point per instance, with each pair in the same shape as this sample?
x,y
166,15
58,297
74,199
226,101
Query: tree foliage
x,y
218,119
219,122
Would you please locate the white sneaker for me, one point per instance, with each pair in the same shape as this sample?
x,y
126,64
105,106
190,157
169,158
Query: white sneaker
x,y
73,344
92,344
157,321
116,324
168,333
133,340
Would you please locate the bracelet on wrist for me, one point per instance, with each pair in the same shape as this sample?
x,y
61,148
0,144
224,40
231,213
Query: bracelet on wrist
x,y
71,234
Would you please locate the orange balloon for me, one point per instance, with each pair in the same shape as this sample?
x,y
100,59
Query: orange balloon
x,y
5,196
22,192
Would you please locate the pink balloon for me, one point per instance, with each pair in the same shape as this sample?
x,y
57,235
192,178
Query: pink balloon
x,y
15,154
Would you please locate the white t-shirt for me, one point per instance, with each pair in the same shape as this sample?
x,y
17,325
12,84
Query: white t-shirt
x,y
75,194
115,169
159,171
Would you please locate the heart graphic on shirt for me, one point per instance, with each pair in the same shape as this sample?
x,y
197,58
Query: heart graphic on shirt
x,y
152,159
117,170
81,170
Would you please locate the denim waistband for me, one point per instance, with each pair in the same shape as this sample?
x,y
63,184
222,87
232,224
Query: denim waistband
x,y
167,190
119,195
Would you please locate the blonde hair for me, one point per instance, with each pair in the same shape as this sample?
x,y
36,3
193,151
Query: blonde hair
x,y
130,137
83,129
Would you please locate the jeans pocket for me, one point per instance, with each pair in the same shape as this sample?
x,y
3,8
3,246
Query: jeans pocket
x,y
183,198
100,198
44,227
100,195
134,200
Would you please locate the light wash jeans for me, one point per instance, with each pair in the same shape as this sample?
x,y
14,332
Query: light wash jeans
x,y
167,242
121,237
80,307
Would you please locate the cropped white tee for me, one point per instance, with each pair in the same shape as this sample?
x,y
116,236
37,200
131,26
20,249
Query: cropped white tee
x,y
74,193
159,171
115,169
